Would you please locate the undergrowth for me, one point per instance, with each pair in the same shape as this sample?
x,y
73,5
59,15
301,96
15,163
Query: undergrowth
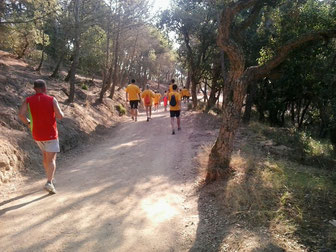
x,y
121,109
305,149
280,191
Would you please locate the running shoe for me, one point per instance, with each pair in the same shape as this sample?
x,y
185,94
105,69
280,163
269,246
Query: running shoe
x,y
173,133
49,187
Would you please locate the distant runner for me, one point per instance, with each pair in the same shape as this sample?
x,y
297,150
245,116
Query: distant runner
x,y
185,94
133,96
157,100
165,100
172,82
43,111
175,108
148,97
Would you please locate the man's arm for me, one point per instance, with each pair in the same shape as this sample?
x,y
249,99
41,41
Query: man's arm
x,y
23,113
139,94
58,112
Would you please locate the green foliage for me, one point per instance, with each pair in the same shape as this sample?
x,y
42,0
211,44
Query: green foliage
x,y
25,22
305,148
121,109
301,91
195,25
92,50
84,86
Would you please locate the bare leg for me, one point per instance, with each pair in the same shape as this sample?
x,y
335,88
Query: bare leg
x,y
172,123
147,112
150,112
132,113
45,163
49,162
178,119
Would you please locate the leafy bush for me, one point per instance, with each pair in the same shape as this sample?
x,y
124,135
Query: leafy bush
x,y
121,109
84,86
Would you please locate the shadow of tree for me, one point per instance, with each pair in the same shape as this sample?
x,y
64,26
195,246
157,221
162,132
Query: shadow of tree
x,y
4,210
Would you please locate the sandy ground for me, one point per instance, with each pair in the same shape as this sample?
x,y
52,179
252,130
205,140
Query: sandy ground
x,y
133,192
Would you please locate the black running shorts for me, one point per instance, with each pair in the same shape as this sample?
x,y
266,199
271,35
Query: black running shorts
x,y
134,104
175,113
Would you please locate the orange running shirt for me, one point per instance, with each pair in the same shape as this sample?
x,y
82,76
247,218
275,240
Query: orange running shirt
x,y
148,93
170,88
178,100
133,91
157,98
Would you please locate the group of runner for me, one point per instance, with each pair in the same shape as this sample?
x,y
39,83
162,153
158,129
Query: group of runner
x,y
171,96
43,110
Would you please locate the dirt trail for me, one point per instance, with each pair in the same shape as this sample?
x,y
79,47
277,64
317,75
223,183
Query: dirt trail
x,y
134,192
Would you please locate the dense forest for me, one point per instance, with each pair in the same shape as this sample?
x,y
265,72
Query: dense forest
x,y
274,60
112,40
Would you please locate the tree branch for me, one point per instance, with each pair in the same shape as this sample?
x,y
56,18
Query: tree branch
x,y
252,17
258,72
242,5
27,21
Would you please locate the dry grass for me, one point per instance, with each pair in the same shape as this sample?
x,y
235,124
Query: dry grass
x,y
291,201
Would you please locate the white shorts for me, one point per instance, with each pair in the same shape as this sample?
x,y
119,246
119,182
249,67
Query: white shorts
x,y
49,146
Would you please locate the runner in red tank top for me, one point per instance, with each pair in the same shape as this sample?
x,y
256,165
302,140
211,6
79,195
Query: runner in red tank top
x,y
43,111
42,117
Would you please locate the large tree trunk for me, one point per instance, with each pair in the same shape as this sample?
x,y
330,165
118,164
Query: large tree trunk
x,y
75,62
251,93
194,76
220,156
205,92
233,92
106,84
212,97
67,77
325,119
194,83
38,69
23,51
214,86
55,72
107,71
115,67
187,86
303,113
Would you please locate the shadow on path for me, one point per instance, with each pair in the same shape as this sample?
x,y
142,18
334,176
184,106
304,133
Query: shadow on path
x,y
3,211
